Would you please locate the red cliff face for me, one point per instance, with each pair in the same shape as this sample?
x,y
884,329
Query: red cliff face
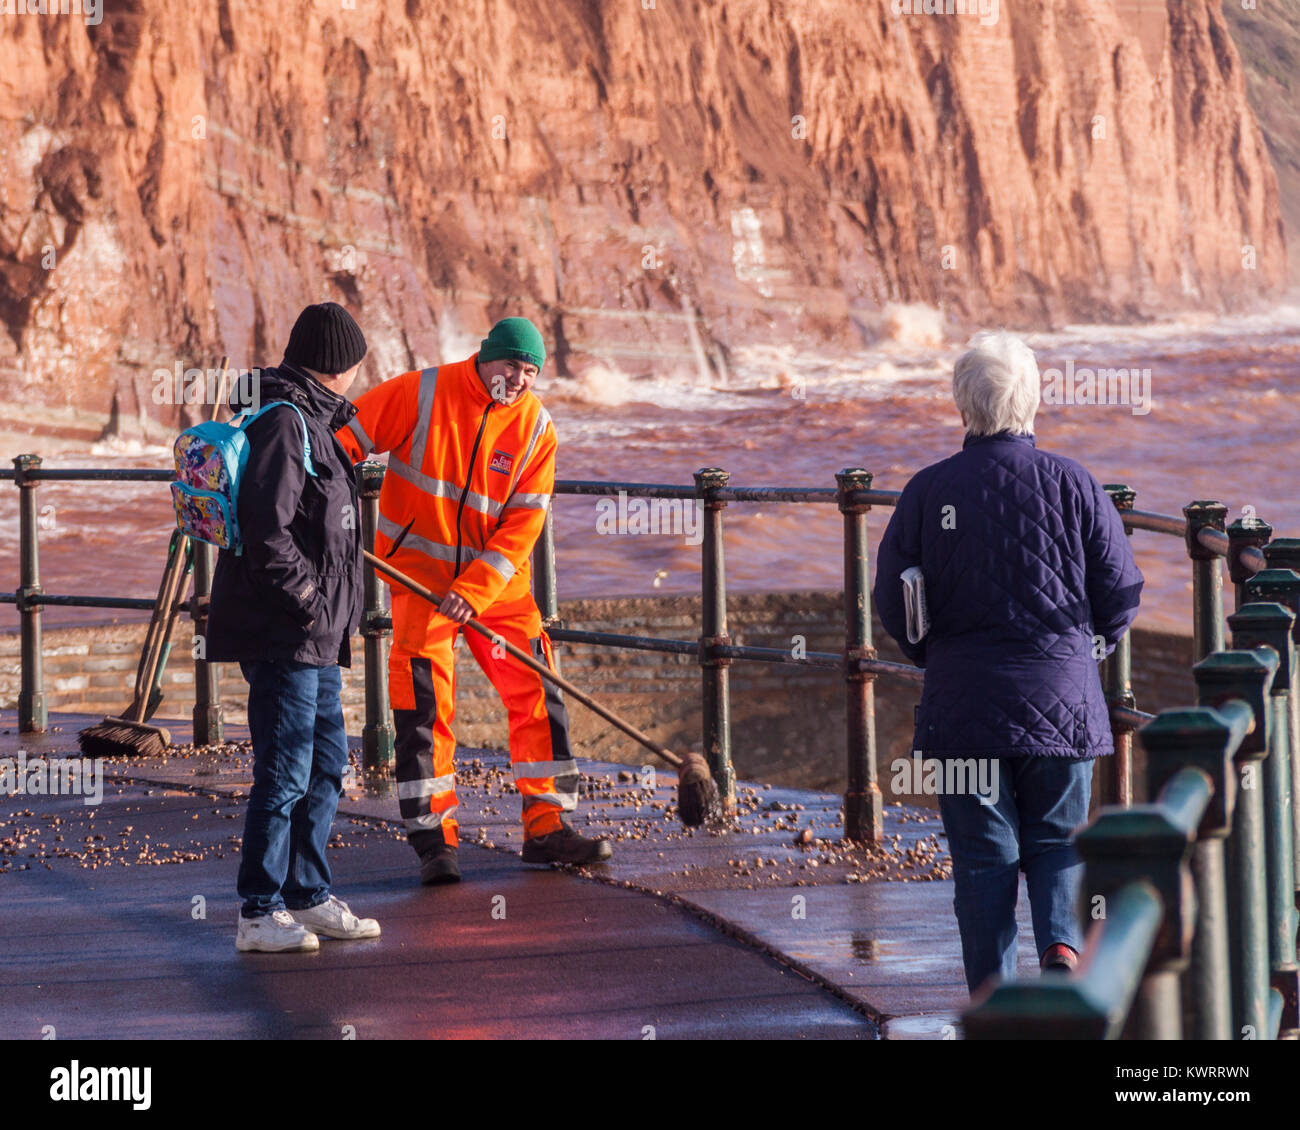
x,y
651,183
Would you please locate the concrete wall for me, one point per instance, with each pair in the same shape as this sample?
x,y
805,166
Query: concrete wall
x,y
787,723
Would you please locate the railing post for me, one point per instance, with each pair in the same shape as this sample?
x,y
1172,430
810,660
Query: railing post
x,y
863,804
1247,676
32,717
1284,553
1151,842
1271,625
544,586
376,626
1244,533
715,676
1093,1002
1117,685
209,728
1204,740
1207,578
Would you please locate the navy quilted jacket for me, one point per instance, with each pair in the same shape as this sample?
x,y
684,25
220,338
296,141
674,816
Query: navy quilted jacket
x,y
1029,580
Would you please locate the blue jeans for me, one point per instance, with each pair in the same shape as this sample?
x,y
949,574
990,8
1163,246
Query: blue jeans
x,y
300,751
1041,801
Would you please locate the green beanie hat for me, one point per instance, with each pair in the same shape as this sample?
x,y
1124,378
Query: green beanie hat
x,y
515,338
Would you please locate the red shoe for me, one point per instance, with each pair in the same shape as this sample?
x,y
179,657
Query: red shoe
x,y
1060,958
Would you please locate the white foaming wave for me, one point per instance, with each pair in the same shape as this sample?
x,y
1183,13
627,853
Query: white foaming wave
x,y
912,355
602,385
913,324
117,447
856,374
1185,331
453,339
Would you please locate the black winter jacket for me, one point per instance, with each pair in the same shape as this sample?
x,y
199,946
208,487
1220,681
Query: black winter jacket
x,y
295,593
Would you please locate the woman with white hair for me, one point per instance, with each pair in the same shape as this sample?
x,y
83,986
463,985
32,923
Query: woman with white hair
x,y
1029,581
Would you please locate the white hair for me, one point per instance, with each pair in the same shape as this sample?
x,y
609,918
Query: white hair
x,y
996,385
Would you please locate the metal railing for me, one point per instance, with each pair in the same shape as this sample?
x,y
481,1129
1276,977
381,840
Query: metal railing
x,y
1193,897
1194,894
1202,527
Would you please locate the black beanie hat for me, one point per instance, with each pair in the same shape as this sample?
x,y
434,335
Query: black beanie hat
x,y
325,338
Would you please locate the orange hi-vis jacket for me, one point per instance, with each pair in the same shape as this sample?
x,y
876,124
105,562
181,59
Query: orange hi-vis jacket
x,y
475,475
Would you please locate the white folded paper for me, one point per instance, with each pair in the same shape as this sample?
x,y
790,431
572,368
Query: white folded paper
x,y
918,616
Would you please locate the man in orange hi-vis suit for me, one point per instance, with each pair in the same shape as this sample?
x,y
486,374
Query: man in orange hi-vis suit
x,y
471,470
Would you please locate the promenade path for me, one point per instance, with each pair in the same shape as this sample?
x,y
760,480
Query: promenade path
x,y
117,920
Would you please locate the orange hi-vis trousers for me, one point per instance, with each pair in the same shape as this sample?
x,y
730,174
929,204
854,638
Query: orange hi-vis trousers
x,y
422,680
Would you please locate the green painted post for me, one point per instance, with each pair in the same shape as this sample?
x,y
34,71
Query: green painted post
x,y
32,716
1271,625
864,820
377,735
545,591
1204,740
548,601
1284,554
1244,533
1207,577
1151,842
1221,678
209,727
1091,1004
714,669
1117,684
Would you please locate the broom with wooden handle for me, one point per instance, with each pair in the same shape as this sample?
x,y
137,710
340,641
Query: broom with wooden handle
x,y
129,735
697,792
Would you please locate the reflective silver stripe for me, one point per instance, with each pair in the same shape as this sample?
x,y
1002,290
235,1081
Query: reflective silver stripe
x,y
440,488
436,550
367,444
440,552
566,801
499,562
423,413
414,790
437,487
566,768
538,428
529,502
428,820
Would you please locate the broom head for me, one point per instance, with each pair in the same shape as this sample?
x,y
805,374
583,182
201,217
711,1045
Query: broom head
x,y
698,800
116,737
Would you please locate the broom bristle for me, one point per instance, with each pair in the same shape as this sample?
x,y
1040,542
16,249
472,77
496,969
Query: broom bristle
x,y
116,737
698,799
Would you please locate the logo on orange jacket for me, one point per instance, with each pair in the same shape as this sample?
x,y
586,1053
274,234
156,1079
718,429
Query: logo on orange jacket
x,y
501,461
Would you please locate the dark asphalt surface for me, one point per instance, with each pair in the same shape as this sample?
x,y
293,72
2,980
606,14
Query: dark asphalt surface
x,y
128,937
770,926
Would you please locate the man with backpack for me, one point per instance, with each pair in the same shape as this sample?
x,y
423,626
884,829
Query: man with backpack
x,y
470,474
283,606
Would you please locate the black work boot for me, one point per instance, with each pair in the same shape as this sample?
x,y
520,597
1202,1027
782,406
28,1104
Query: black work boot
x,y
439,865
566,846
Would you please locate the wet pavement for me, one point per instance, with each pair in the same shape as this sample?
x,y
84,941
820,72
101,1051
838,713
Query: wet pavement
x,y
769,928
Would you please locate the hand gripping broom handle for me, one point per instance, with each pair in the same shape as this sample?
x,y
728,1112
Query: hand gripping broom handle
x,y
528,661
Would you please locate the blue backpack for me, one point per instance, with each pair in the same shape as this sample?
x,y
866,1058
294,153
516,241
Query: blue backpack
x,y
210,460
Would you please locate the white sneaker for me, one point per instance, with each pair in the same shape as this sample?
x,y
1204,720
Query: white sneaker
x,y
334,919
276,932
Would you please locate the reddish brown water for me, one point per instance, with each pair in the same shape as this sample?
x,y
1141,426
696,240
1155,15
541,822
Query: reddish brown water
x,y
1223,418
